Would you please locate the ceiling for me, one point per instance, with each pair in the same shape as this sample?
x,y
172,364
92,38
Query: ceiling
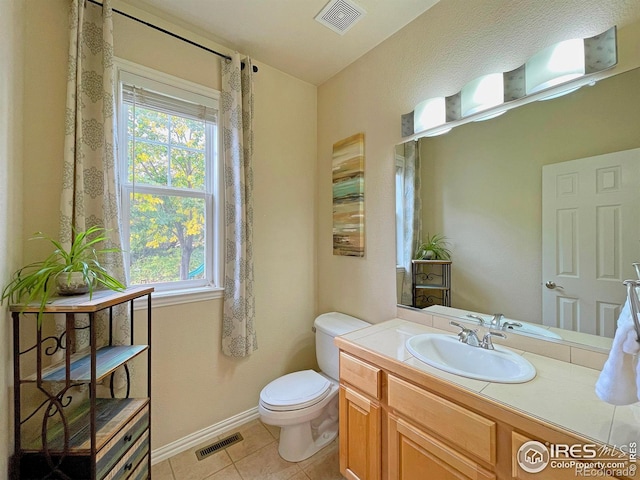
x,y
284,34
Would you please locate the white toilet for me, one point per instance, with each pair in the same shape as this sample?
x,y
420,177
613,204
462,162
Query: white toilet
x,y
305,404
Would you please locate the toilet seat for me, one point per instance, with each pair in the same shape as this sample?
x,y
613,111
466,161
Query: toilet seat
x,y
295,391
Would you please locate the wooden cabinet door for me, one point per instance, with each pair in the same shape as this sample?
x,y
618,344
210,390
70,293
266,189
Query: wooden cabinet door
x,y
414,454
359,436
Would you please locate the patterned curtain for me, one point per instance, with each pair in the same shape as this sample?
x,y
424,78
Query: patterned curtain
x,y
238,329
412,203
89,192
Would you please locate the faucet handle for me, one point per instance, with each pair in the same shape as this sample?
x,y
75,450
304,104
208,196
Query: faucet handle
x,y
466,335
463,329
486,340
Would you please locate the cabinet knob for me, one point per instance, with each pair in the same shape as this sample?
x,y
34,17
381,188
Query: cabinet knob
x,y
128,466
127,438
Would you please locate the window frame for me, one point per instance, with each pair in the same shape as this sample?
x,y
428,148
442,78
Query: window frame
x,y
399,190
182,291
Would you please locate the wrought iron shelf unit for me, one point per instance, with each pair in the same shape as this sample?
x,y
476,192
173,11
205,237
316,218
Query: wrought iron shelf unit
x,y
431,283
68,423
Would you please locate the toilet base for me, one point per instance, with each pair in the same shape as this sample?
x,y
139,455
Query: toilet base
x,y
297,443
304,432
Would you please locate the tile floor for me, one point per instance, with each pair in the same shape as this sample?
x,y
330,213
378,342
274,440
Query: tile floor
x,y
255,458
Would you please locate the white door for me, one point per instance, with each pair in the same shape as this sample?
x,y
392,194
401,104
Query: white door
x,y
590,238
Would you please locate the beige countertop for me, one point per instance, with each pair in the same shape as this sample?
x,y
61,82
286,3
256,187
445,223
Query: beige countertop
x,y
562,393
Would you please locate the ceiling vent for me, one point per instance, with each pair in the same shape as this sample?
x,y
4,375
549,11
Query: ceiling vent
x,y
340,15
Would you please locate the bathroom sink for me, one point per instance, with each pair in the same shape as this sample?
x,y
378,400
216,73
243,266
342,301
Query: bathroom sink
x,y
446,353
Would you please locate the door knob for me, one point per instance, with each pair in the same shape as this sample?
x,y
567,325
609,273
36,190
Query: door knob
x,y
551,285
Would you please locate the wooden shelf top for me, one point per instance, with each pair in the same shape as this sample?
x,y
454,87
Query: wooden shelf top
x,y
432,262
100,300
432,287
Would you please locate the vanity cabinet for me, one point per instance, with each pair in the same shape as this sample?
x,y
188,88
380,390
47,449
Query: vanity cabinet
x,y
82,414
398,424
431,283
416,422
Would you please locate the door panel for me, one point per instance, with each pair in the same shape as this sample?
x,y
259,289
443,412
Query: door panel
x,y
359,436
590,232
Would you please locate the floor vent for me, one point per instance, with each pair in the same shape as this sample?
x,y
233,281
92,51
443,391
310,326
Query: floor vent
x,y
219,445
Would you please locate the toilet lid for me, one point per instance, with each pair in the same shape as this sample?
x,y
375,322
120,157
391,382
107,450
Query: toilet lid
x,y
295,391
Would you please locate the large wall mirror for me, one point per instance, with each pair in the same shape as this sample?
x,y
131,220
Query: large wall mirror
x,y
481,185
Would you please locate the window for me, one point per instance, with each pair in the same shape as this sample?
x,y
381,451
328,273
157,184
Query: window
x,y
169,174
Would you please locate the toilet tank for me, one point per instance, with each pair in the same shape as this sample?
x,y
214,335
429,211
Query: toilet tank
x,y
328,326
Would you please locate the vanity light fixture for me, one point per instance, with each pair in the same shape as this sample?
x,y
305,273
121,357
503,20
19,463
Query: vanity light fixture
x,y
559,63
429,114
552,72
482,94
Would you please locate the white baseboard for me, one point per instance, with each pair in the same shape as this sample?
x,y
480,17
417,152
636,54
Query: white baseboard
x,y
204,435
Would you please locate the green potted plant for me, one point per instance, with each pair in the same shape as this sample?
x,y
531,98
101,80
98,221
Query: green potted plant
x,y
67,272
435,248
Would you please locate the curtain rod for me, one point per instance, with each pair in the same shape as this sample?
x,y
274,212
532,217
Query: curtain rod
x,y
167,32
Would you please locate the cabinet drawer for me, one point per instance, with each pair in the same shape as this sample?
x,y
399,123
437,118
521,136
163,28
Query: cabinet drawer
x,y
142,471
131,460
535,457
463,428
122,442
413,452
365,377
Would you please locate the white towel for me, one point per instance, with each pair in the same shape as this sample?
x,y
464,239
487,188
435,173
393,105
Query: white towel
x,y
619,381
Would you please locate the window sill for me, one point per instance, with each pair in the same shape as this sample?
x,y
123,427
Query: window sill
x,y
177,297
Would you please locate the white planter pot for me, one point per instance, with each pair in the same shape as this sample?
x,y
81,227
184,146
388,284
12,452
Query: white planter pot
x,y
71,284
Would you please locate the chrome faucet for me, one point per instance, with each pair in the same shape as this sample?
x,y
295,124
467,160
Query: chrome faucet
x,y
470,337
499,323
496,320
466,335
486,340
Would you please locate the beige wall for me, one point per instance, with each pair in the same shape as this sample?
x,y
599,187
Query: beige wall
x,y
194,385
490,207
435,55
11,21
